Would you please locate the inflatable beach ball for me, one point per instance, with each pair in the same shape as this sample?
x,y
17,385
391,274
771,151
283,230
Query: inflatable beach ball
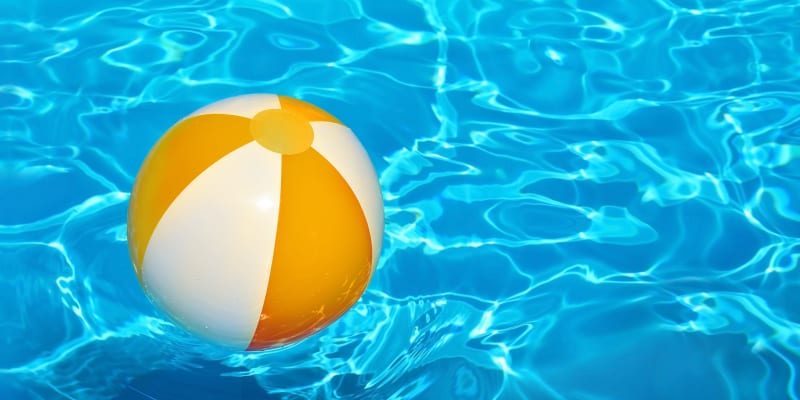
x,y
256,221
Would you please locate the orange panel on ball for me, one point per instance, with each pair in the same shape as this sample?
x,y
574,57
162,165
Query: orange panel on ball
x,y
179,157
323,254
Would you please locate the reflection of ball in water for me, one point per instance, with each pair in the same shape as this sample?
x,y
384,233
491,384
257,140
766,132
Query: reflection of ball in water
x,y
256,221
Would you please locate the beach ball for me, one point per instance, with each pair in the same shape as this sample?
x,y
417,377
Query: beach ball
x,y
256,221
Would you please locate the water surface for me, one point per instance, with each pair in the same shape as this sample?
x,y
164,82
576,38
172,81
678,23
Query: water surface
x,y
584,200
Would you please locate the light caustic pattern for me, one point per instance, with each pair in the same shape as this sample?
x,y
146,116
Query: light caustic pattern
x,y
585,200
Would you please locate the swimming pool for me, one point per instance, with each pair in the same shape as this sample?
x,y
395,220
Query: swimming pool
x,y
584,200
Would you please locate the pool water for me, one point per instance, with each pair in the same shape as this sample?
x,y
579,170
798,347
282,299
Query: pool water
x,y
584,199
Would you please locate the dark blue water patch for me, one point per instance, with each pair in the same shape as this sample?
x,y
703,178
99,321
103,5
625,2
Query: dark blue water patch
x,y
53,14
30,274
458,213
47,122
631,257
561,190
11,388
777,381
598,33
781,293
774,51
107,63
738,30
106,281
458,18
295,379
651,58
199,383
502,26
790,130
490,274
625,15
609,320
21,45
746,189
677,138
585,193
457,378
482,106
531,220
686,231
99,162
760,114
655,122
27,388
290,42
533,16
406,16
349,386
659,366
737,243
553,89
404,217
542,29
180,40
462,64
364,38
788,256
23,76
559,86
140,54
447,378
510,333
385,128
539,260
177,20
70,186
687,4
612,82
412,64
420,167
560,160
592,129
268,62
596,195
318,13
671,312
476,110
9,100
534,150
696,30
618,257
286,40
729,58
346,348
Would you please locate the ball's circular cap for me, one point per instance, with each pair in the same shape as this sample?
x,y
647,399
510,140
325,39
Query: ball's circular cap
x,y
282,131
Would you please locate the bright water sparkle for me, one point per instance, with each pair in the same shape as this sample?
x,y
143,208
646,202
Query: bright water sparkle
x,y
585,199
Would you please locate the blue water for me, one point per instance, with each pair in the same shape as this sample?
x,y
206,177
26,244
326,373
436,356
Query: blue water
x,y
584,199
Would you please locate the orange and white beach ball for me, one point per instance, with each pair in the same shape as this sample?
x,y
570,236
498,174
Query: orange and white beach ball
x,y
256,221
